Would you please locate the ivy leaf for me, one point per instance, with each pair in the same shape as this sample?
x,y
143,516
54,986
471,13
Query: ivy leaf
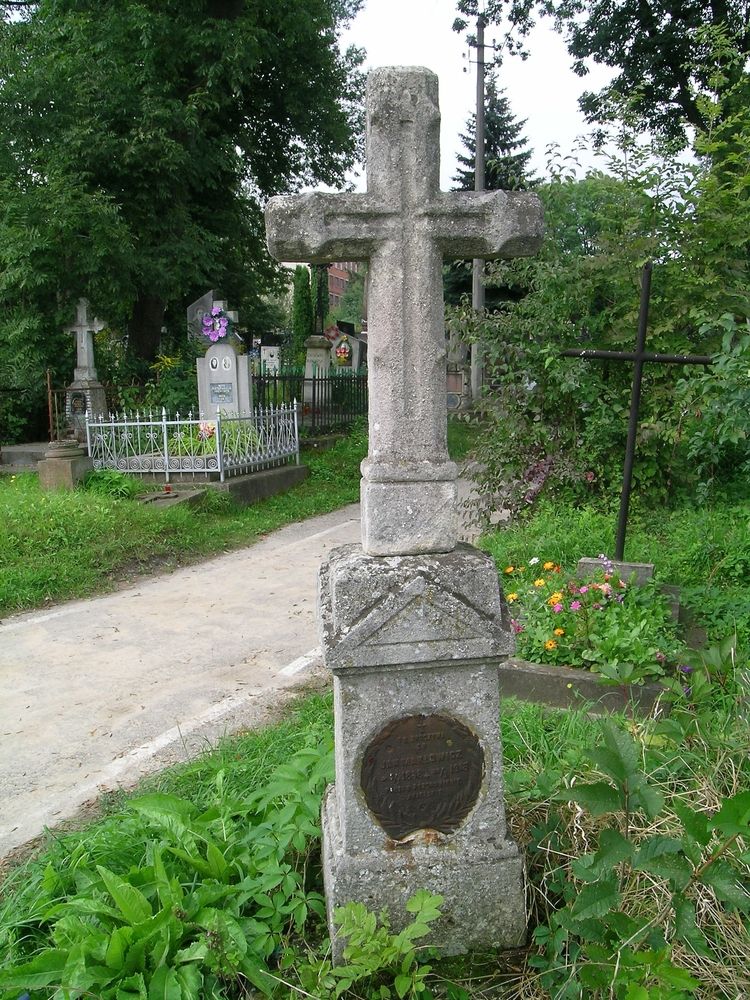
x,y
596,899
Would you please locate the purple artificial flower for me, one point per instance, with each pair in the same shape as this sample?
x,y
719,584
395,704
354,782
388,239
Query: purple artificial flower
x,y
215,311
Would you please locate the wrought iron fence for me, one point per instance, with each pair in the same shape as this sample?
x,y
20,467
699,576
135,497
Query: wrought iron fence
x,y
328,400
227,446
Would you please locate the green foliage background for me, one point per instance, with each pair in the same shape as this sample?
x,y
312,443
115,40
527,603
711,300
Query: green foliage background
x,y
137,143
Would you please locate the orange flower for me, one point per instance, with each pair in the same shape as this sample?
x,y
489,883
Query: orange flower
x,y
509,569
555,598
548,565
540,582
550,644
559,631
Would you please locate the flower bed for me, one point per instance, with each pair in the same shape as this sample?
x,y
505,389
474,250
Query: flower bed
x,y
596,638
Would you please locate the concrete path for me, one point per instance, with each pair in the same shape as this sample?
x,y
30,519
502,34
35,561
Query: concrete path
x,y
97,693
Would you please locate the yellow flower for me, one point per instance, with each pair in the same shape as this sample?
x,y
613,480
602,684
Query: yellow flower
x,y
511,597
509,569
555,598
540,582
559,631
550,644
549,565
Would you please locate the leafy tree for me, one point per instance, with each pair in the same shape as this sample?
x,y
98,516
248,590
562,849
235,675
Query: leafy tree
x,y
506,160
560,423
303,319
671,58
138,140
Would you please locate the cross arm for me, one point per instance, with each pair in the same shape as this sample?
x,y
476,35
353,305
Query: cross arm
x,y
323,227
487,224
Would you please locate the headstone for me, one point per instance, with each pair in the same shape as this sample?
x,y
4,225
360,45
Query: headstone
x,y
85,392
195,313
270,358
224,380
412,624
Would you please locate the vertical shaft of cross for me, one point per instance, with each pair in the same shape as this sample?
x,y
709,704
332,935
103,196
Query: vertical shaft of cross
x,y
405,226
635,405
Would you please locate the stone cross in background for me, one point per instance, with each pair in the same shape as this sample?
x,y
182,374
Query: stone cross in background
x,y
405,226
411,624
84,329
85,392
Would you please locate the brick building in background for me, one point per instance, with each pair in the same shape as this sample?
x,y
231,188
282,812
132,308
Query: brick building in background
x,y
339,275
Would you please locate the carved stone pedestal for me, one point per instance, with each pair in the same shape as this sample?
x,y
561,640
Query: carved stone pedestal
x,y
413,643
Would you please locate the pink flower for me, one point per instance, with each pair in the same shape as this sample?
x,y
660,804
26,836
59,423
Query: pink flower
x,y
583,590
575,605
516,626
557,607
597,606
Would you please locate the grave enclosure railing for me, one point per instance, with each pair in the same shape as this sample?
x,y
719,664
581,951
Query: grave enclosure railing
x,y
328,401
189,446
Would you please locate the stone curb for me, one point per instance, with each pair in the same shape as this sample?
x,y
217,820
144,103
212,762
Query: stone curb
x,y
568,687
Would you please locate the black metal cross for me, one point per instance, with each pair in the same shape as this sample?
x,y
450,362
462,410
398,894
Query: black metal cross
x,y
638,356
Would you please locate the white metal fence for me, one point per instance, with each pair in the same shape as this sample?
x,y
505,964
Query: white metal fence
x,y
227,445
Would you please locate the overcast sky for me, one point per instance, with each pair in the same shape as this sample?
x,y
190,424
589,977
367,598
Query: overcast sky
x,y
542,89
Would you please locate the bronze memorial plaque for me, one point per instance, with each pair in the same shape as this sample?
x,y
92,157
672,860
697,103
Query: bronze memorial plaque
x,y
423,772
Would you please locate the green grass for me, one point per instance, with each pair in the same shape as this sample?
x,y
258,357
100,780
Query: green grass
x,y
60,545
544,750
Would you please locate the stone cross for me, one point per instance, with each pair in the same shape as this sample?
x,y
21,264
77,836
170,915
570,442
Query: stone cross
x,y
404,225
84,330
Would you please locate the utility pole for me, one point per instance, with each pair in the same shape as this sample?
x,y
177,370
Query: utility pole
x,y
477,283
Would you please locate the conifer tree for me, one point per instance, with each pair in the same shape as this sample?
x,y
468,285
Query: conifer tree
x,y
302,313
506,160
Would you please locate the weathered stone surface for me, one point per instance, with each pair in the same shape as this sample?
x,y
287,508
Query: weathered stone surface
x,y
405,226
64,465
407,610
367,701
483,885
412,626
85,393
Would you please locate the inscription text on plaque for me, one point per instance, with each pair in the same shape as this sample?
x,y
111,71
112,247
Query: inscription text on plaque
x,y
422,772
